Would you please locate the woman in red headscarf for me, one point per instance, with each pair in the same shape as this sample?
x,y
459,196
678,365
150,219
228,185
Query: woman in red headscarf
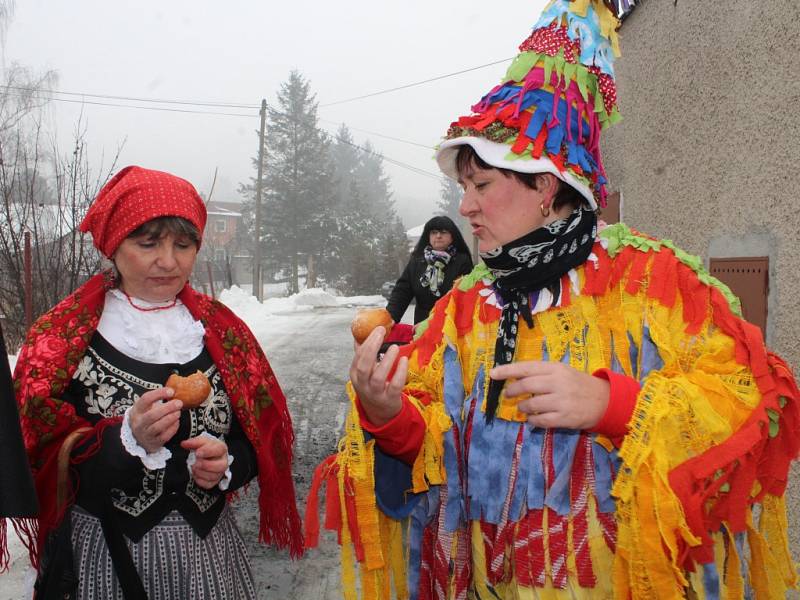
x,y
133,487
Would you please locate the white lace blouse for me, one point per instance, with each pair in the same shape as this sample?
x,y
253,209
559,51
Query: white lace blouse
x,y
161,336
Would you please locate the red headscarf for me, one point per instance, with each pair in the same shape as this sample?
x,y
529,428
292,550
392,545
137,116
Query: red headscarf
x,y
135,196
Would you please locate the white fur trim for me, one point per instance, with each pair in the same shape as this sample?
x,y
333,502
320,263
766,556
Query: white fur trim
x,y
496,154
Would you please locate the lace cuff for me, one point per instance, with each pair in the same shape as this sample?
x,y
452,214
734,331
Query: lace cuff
x,y
156,460
226,477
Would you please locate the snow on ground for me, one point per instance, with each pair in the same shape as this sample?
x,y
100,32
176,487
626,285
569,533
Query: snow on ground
x,y
274,314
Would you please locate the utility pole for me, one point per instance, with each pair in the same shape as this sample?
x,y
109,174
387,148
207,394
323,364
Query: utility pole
x,y
28,281
258,285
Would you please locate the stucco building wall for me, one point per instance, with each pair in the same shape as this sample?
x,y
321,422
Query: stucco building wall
x,y
708,150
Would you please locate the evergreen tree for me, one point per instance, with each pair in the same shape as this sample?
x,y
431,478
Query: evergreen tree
x,y
298,176
449,199
375,184
371,238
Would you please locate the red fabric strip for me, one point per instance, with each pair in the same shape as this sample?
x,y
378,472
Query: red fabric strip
x,y
621,402
311,518
402,436
636,275
557,537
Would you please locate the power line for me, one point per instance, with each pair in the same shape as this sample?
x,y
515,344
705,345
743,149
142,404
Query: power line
x,y
388,137
155,108
135,99
393,161
409,85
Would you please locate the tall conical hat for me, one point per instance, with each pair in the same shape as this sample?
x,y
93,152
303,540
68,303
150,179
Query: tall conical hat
x,y
557,95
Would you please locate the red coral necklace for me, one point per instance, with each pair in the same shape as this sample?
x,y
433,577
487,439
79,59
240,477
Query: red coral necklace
x,y
150,308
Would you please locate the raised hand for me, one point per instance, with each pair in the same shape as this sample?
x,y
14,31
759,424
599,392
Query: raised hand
x,y
380,395
154,422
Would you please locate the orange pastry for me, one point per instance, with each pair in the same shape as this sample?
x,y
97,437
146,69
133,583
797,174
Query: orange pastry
x,y
368,319
192,390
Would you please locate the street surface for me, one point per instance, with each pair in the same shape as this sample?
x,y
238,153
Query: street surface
x,y
311,364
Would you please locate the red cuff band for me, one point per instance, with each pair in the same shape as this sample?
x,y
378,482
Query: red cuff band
x,y
621,402
402,436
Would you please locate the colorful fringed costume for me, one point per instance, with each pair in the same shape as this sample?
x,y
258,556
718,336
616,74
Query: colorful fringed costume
x,y
688,504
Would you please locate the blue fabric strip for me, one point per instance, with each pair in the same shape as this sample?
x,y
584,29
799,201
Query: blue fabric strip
x,y
711,581
454,405
532,456
740,540
392,482
453,387
650,357
564,443
489,466
605,465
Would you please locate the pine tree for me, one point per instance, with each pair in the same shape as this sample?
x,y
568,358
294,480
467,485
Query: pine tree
x,y
298,192
371,239
449,199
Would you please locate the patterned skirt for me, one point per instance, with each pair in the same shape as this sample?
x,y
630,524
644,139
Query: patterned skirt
x,y
172,560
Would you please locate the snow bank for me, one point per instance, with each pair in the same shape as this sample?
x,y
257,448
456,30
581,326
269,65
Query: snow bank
x,y
315,297
261,316
248,308
362,301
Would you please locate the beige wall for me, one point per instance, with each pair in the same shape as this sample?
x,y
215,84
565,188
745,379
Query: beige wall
x,y
708,152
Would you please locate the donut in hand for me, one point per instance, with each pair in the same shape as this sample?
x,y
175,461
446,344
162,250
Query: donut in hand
x,y
368,319
192,390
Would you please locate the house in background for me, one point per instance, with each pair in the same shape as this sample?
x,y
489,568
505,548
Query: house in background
x,y
222,257
707,148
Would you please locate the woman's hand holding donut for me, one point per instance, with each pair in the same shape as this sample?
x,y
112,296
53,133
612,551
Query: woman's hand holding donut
x,y
153,422
380,396
211,460
555,394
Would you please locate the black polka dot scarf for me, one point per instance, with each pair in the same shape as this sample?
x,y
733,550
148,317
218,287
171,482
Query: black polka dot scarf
x,y
527,265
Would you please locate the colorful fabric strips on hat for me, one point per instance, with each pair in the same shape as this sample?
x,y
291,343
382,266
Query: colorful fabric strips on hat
x,y
557,95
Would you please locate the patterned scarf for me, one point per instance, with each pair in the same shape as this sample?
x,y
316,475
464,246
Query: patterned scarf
x,y
525,266
437,261
55,346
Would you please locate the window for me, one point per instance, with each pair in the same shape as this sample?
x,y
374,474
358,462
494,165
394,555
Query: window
x,y
748,278
220,225
219,255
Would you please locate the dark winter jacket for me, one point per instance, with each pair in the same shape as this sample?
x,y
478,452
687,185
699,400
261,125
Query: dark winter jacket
x,y
408,287
19,499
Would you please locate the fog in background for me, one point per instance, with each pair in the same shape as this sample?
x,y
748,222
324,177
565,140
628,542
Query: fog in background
x,y
238,52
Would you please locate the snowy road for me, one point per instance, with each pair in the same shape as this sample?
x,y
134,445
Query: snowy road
x,y
310,353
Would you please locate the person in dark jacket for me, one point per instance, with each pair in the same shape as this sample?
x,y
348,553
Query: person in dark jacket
x,y
17,494
440,257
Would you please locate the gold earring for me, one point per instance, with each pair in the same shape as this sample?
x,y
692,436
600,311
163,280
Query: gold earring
x,y
545,210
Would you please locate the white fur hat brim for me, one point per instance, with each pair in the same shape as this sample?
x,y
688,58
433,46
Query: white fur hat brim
x,y
496,155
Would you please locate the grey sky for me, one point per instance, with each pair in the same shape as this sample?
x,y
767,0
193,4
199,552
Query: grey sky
x,y
239,52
